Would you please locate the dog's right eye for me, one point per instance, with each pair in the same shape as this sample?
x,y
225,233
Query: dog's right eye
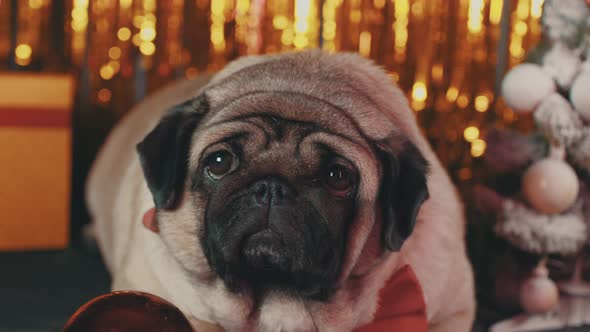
x,y
219,163
339,180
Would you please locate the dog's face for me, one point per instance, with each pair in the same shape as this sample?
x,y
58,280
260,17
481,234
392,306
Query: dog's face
x,y
266,188
278,206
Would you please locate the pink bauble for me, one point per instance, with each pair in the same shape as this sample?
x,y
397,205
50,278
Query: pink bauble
x,y
580,95
525,86
538,295
550,186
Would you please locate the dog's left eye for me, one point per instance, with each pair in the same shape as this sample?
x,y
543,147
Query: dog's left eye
x,y
219,163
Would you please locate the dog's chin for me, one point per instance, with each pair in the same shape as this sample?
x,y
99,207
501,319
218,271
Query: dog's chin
x,y
265,266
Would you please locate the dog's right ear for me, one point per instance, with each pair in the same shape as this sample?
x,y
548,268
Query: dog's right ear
x,y
164,151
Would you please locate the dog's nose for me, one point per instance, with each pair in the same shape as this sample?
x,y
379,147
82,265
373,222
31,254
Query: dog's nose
x,y
272,191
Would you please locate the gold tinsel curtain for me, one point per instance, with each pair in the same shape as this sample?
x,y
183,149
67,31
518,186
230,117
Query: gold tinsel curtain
x,y
446,55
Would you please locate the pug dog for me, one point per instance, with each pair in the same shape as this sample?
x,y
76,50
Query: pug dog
x,y
289,192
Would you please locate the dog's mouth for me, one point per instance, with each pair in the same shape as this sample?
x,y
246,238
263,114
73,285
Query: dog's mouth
x,y
265,251
266,261
282,248
269,261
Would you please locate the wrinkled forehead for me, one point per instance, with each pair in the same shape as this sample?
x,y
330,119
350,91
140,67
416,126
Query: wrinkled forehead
x,y
290,106
333,128
349,82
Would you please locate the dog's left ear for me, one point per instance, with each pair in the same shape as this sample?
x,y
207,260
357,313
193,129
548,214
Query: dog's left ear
x,y
164,152
403,190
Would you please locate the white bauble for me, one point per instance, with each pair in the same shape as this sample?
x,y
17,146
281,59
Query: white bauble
x,y
580,95
538,295
525,86
550,186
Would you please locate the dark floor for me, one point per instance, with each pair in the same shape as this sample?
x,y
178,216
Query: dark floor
x,y
40,290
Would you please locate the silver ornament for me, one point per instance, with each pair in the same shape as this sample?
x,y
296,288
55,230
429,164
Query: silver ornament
x,y
558,121
539,294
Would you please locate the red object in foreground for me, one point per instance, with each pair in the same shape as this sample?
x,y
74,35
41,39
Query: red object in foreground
x,y
127,311
401,307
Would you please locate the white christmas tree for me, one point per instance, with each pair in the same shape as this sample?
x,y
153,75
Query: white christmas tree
x,y
552,213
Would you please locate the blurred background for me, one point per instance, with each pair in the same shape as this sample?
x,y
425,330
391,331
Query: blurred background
x,y
448,56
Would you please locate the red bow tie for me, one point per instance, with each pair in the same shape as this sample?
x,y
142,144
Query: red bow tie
x,y
401,305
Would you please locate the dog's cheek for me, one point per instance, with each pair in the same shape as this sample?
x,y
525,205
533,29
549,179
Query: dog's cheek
x,y
180,231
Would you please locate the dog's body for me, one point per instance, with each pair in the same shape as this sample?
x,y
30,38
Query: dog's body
x,y
118,196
